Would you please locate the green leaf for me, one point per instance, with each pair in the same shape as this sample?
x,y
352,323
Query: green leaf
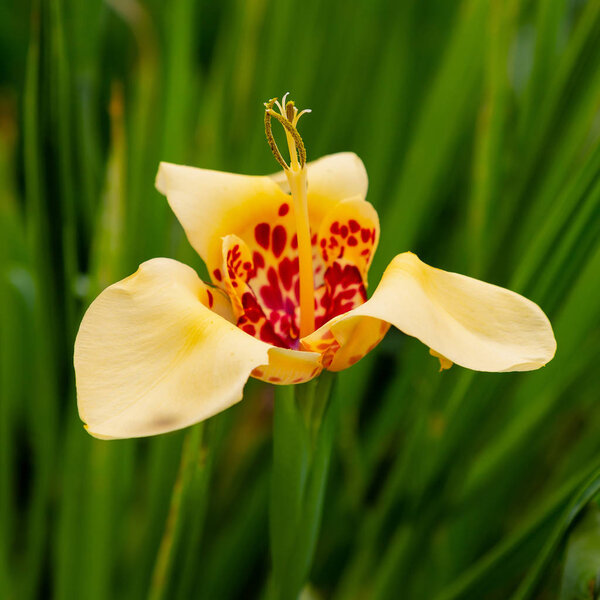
x,y
581,575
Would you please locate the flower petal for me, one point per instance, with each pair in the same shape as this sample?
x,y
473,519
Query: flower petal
x,y
347,241
330,179
252,315
152,357
212,204
471,323
289,366
346,339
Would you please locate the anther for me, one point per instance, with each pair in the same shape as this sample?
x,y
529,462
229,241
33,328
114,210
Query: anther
x,y
291,111
269,133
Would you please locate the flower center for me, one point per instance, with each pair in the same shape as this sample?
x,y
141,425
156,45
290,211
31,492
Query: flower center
x,y
295,172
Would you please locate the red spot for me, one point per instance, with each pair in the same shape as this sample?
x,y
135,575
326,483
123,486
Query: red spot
x,y
313,239
290,307
344,291
261,233
354,359
267,334
352,241
343,231
247,266
249,329
365,234
286,273
259,261
279,238
211,300
271,294
323,242
217,274
284,326
284,209
365,252
295,241
346,294
373,235
335,227
351,276
274,379
354,225
252,310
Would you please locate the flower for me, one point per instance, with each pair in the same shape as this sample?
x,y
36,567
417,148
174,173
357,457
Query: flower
x,y
288,256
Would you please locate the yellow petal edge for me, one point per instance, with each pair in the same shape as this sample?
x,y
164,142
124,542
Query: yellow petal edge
x,y
471,323
151,357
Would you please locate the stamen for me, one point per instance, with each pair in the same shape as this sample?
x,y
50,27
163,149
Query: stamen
x,y
295,136
296,176
269,133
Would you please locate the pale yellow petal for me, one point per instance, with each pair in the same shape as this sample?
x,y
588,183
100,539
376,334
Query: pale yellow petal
x,y
330,179
346,339
349,234
289,366
152,357
347,240
471,323
212,204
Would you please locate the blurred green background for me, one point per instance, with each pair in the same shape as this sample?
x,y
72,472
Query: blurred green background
x,y
479,124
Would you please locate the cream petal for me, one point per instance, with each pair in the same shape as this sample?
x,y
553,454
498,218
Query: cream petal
x,y
152,357
344,340
349,234
330,179
212,204
288,366
468,322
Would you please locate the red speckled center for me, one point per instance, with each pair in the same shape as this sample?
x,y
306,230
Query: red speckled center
x,y
262,274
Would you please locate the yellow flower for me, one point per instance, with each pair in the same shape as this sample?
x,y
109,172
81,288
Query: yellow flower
x,y
288,257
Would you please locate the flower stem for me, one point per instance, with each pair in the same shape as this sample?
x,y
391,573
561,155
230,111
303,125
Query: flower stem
x,y
190,452
305,420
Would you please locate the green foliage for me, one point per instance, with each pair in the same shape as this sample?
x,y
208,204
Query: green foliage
x,y
582,573
478,123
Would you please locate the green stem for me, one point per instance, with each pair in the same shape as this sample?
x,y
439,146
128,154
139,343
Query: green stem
x,y
304,426
189,459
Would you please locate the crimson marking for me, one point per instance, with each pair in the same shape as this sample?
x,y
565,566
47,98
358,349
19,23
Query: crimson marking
x,y
279,238
261,233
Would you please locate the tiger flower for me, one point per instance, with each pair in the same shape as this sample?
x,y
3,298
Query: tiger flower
x,y
288,256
